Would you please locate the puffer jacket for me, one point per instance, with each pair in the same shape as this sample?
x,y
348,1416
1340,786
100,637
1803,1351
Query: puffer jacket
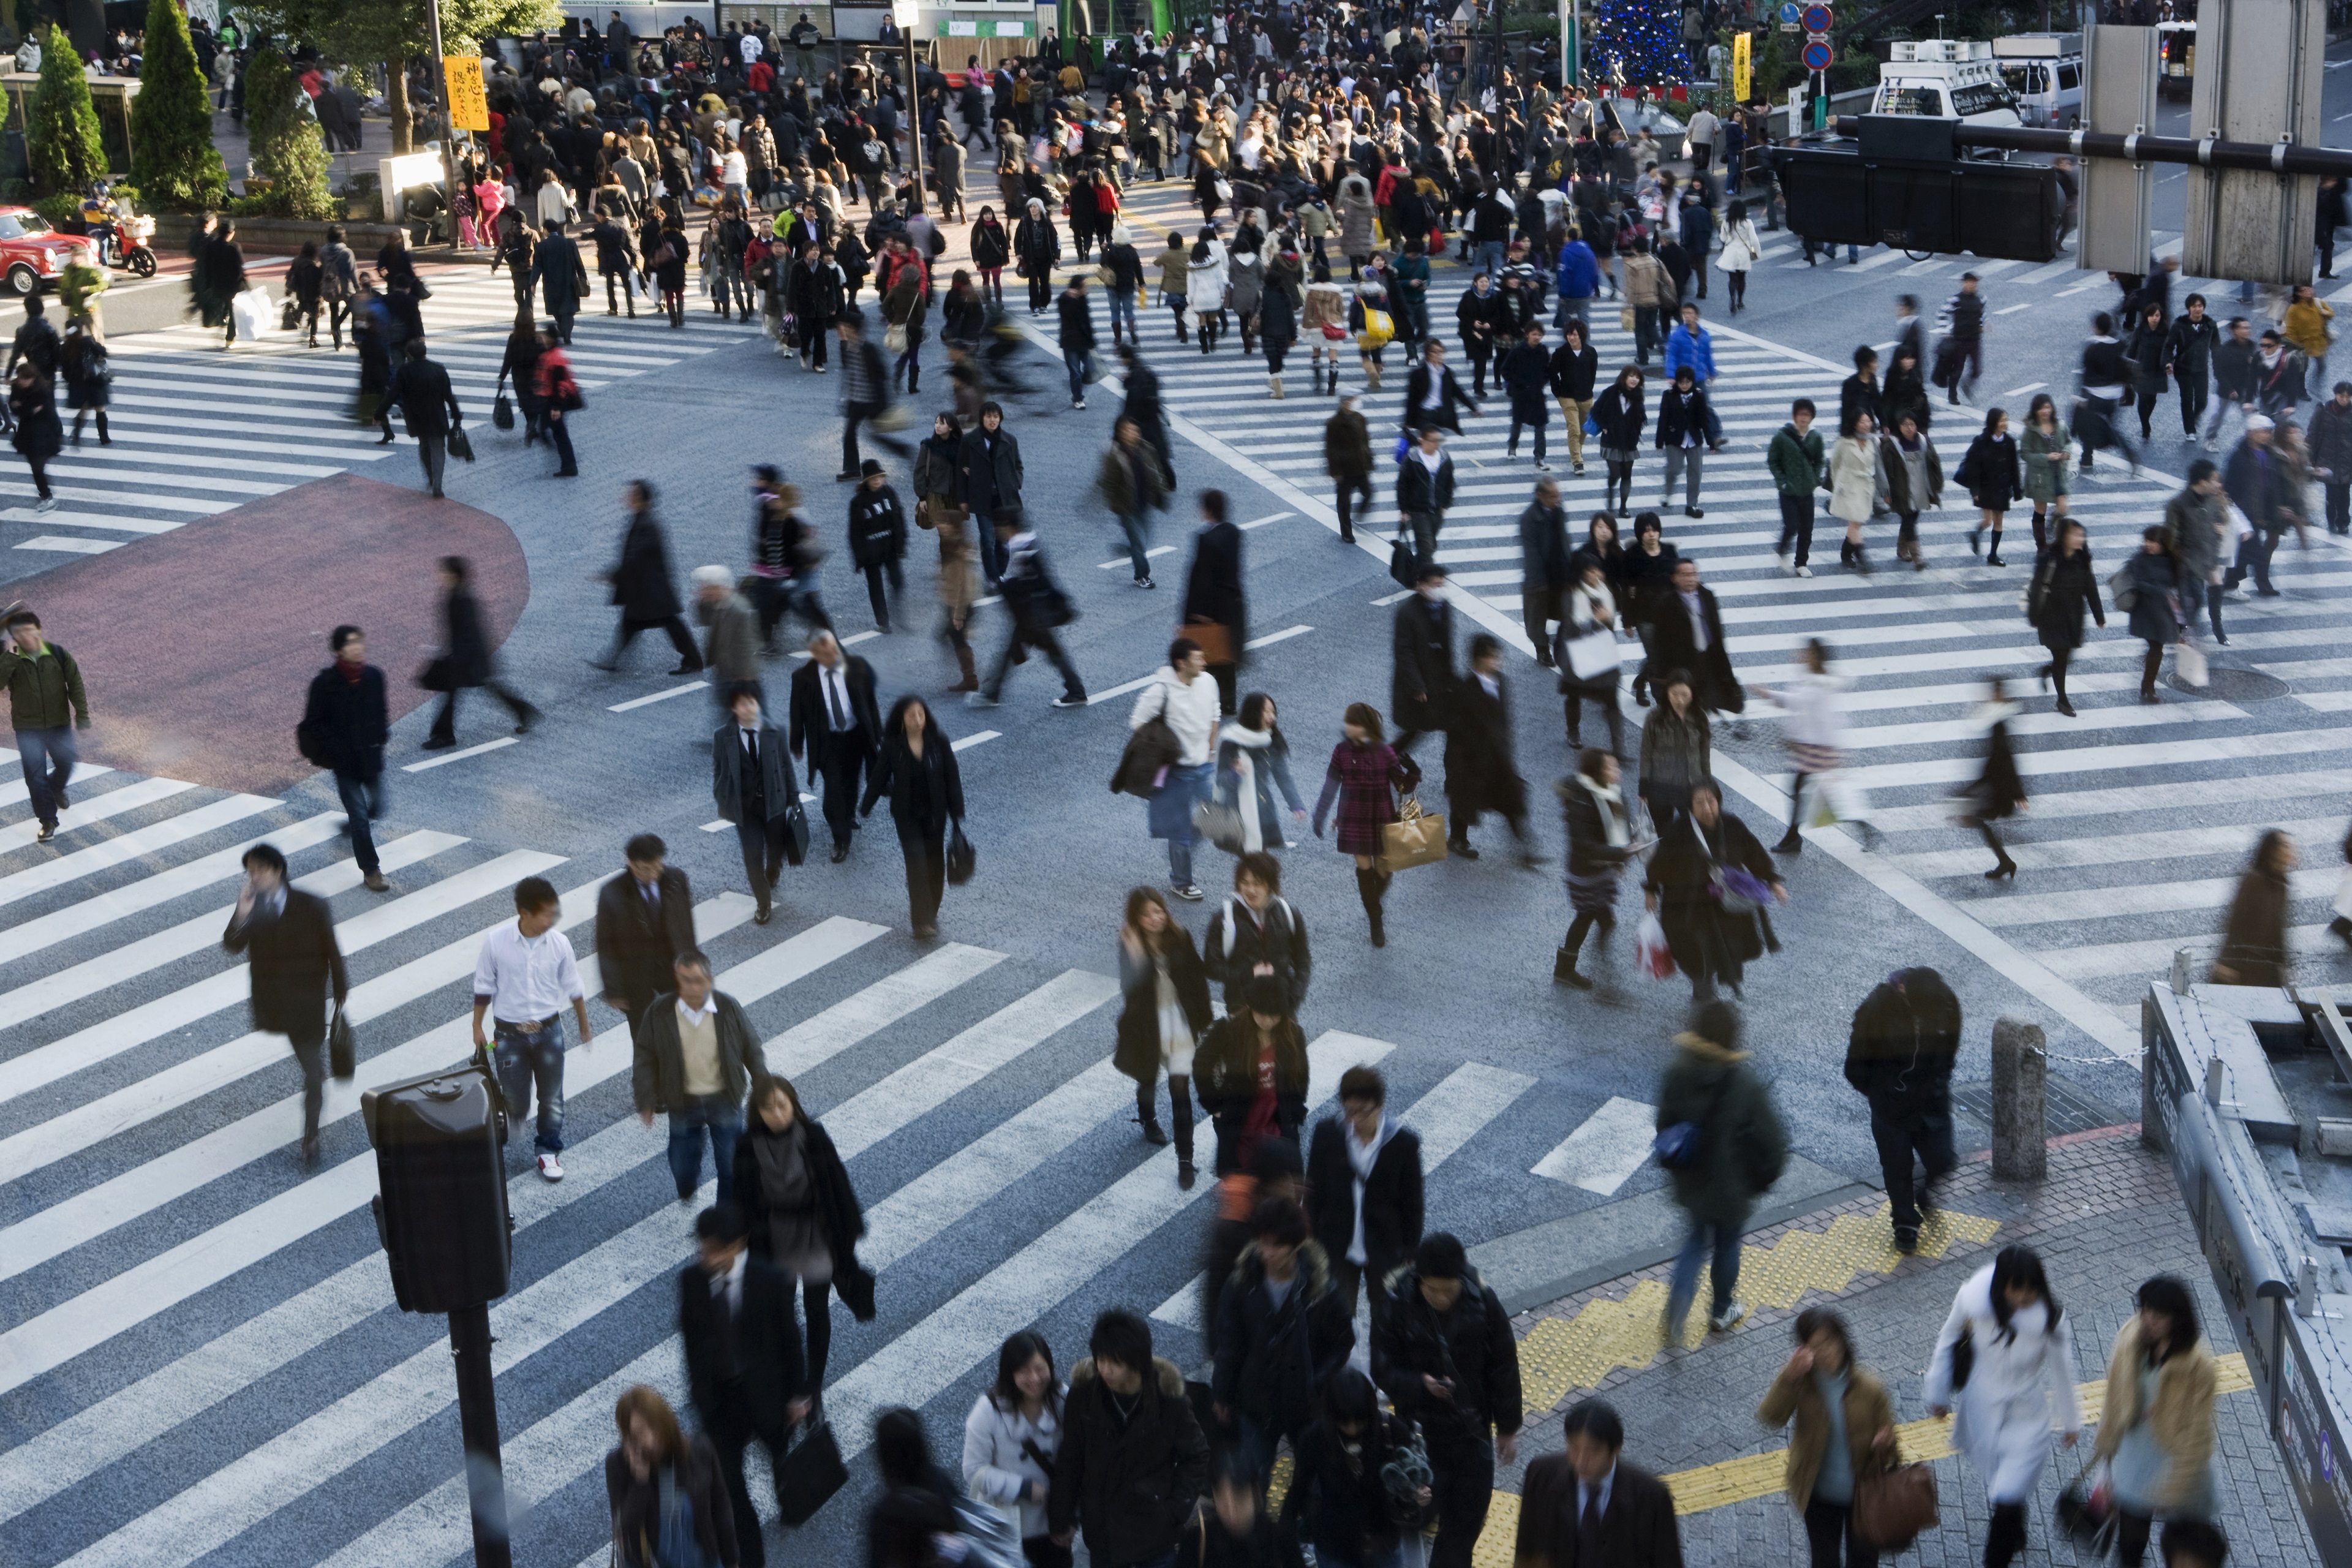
x,y
1473,1345
1129,1488
1272,1359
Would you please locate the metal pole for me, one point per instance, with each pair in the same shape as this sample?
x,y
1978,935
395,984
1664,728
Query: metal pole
x,y
448,135
914,121
478,1421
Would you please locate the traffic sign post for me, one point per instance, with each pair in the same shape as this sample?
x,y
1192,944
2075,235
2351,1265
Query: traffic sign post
x,y
1817,18
1817,55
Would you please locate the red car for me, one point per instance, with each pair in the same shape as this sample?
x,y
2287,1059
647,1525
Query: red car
x,y
32,253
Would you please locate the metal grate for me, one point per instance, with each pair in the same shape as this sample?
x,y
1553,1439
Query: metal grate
x,y
2065,1109
2231,685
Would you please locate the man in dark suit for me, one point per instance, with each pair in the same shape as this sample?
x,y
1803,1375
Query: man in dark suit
x,y
296,964
744,1363
645,924
1424,492
1588,1508
1212,593
752,778
344,727
837,729
429,405
1432,395
1423,684
988,481
1686,634
562,275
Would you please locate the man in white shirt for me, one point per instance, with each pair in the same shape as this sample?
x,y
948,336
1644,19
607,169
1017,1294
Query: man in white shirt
x,y
1188,705
521,981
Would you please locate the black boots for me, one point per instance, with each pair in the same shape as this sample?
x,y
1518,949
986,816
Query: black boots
x,y
1563,969
1373,886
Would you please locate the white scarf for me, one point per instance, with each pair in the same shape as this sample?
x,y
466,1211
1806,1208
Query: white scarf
x,y
1244,741
1615,826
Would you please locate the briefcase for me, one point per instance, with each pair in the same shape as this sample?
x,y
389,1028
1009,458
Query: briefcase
x,y
461,445
343,1048
796,829
1213,639
1404,567
808,1474
1415,839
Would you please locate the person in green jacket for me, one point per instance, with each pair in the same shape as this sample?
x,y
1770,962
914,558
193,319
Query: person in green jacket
x,y
46,704
1728,1146
1795,461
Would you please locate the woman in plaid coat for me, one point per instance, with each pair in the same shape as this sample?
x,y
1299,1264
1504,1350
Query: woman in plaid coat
x,y
1364,775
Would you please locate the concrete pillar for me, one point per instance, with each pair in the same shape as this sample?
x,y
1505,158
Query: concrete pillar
x,y
2020,1067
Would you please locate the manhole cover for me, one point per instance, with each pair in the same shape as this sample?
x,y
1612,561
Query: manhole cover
x,y
2229,685
2065,1109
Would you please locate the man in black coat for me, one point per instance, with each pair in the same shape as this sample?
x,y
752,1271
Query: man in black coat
x,y
429,405
1283,1329
877,538
464,659
1481,774
1143,405
344,726
837,728
1132,1463
1588,1508
645,924
1363,1181
1257,932
1545,571
643,588
743,1365
296,965
563,275
1443,1348
988,481
1906,1035
1212,593
1432,395
1420,688
1424,492
1686,634
752,779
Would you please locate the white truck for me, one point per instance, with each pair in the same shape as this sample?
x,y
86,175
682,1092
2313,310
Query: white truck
x,y
1949,79
2045,72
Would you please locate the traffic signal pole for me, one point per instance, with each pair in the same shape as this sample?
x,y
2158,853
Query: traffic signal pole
x,y
2277,157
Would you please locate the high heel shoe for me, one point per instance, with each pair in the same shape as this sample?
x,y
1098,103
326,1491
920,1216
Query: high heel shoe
x,y
2004,872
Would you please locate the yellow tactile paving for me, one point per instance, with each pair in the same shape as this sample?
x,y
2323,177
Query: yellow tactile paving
x,y
1559,1355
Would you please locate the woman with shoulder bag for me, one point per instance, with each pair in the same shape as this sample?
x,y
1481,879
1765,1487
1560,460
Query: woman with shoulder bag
x,y
1009,1440
1165,1013
795,1193
2005,1361
1989,472
1588,633
2064,590
668,1502
1363,777
1844,1434
2156,1428
917,768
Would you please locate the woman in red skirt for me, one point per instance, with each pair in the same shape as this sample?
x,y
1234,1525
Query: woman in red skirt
x,y
1364,776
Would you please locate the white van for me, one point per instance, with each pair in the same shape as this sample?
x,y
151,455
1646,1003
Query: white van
x,y
1947,78
2044,70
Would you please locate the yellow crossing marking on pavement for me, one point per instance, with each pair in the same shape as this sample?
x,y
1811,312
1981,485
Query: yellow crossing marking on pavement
x,y
1559,1355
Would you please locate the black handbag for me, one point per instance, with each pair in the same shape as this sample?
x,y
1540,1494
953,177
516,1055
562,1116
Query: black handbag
x,y
796,833
1964,1359
438,675
961,856
343,1048
2085,1516
461,445
502,412
1404,566
808,1474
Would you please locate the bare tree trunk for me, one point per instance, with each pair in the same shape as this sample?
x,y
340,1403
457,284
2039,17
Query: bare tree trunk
x,y
396,96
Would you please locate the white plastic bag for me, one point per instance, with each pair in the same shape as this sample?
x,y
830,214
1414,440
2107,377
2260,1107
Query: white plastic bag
x,y
1651,956
1833,797
2188,663
253,314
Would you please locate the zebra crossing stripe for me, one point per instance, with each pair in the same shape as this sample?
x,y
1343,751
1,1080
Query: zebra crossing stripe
x,y
1606,1151
131,846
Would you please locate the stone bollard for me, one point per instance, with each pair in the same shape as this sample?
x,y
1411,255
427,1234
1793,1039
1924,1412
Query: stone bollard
x,y
2019,1067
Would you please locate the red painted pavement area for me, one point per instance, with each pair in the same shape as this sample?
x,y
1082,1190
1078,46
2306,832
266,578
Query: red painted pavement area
x,y
198,646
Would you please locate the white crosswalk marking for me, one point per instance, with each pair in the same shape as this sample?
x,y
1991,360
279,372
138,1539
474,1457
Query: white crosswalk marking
x,y
1604,1152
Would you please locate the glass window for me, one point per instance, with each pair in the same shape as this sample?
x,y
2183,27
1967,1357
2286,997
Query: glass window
x,y
1924,100
10,228
2070,76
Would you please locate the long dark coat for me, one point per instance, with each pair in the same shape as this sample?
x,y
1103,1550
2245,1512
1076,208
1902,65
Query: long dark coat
x,y
641,585
1136,1051
1703,936
295,963
1480,772
2064,589
463,640
1212,590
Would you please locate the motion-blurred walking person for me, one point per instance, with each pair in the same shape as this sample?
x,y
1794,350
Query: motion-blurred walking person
x,y
2157,1431
2020,1381
2254,949
466,660
296,965
1999,792
643,587
1899,1058
659,1482
1844,1434
343,729
742,1358
1722,1140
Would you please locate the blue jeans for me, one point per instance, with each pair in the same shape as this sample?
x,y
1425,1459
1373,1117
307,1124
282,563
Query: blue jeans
x,y
48,757
1724,1276
362,802
1122,311
1490,257
1172,816
1082,371
534,1058
725,1124
1139,538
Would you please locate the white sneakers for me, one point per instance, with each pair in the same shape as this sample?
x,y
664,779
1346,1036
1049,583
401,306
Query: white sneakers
x,y
551,1167
1729,1317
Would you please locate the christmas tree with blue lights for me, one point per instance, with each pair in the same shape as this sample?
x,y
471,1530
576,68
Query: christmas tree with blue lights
x,y
1638,43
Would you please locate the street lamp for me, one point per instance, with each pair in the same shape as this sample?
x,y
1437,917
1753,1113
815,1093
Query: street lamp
x,y
906,14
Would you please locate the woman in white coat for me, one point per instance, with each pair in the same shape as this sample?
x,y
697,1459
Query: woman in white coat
x,y
2015,1378
1210,277
1009,1439
1815,704
1855,485
1742,249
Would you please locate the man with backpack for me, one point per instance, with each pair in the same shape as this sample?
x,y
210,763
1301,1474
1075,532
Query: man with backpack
x,y
1257,931
1723,1142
